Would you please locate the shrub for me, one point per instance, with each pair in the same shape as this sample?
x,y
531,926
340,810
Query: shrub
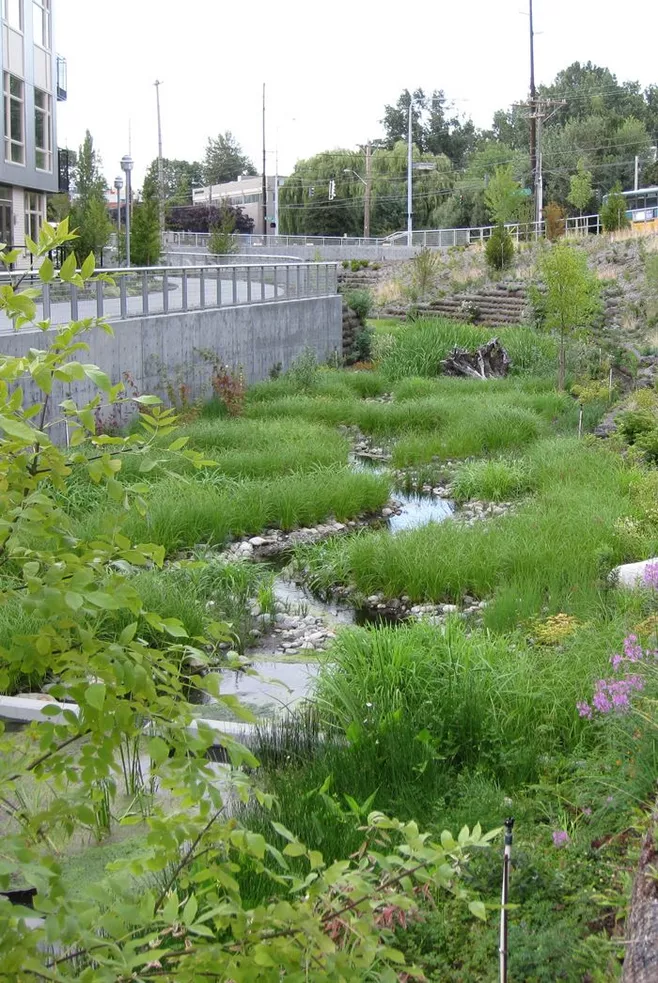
x,y
221,240
303,370
554,216
362,350
635,423
425,268
613,211
361,302
230,388
499,250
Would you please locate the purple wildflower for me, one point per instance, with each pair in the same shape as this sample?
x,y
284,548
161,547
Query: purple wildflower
x,y
651,575
560,837
632,649
584,709
587,811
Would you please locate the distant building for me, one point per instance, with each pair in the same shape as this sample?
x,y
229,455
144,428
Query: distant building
x,y
34,81
246,193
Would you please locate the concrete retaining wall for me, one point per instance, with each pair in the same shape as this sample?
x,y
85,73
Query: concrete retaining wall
x,y
164,348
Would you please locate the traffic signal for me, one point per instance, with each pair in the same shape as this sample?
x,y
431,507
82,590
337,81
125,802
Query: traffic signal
x,y
332,190
311,192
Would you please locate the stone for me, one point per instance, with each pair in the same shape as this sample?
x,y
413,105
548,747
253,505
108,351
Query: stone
x,y
631,575
450,609
307,646
257,541
387,513
338,526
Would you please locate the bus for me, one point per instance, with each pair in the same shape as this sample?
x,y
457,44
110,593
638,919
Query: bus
x,y
642,208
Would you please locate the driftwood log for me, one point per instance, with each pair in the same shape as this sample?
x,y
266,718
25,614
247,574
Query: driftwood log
x,y
641,960
489,361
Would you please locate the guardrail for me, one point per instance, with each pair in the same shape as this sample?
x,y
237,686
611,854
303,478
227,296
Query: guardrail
x,y
142,291
427,238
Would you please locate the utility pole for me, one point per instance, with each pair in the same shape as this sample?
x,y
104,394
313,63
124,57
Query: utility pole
x,y
533,115
410,177
636,184
161,187
264,171
368,192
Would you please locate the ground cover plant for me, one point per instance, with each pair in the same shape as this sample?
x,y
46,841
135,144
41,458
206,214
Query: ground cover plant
x,y
446,723
171,907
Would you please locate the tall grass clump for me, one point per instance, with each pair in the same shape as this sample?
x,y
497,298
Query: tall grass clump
x,y
485,429
417,694
554,553
421,347
195,594
183,514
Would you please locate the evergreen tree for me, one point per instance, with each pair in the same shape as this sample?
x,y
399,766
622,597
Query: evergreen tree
x,y
224,160
89,213
145,241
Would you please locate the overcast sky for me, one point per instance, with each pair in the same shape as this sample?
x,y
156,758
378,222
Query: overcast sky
x,y
329,68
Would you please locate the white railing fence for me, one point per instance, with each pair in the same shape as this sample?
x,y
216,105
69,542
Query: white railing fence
x,y
429,238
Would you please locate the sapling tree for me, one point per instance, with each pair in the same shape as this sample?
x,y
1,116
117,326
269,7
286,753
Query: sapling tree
x,y
580,188
174,910
572,298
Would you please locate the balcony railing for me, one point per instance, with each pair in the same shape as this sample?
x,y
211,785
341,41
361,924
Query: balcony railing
x,y
62,79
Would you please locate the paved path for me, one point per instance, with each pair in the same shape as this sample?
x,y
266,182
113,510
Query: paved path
x,y
60,311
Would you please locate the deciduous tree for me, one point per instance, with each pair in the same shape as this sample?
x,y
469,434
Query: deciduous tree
x,y
572,297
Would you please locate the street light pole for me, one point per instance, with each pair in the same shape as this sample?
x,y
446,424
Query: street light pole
x,y
161,188
118,184
368,191
410,172
264,171
127,166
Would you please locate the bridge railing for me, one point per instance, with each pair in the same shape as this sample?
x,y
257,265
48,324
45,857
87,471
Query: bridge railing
x,y
143,291
421,238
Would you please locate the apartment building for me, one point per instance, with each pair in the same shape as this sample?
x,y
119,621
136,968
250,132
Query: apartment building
x,y
33,80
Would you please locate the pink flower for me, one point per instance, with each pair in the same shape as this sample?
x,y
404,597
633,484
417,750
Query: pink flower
x,y
584,709
560,837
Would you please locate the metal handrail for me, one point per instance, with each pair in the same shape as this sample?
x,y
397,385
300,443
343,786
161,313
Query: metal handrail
x,y
150,290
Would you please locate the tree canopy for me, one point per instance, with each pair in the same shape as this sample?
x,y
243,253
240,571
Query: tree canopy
x,y
224,160
180,176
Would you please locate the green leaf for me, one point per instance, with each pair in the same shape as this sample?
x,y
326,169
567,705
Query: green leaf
x,y
88,267
95,695
98,377
147,400
46,271
178,444
19,430
128,633
478,909
68,267
158,750
170,910
262,956
190,910
392,955
282,831
294,850
73,600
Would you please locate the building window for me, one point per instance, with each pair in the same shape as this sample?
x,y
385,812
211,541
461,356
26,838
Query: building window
x,y
12,13
14,120
35,214
43,138
41,22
